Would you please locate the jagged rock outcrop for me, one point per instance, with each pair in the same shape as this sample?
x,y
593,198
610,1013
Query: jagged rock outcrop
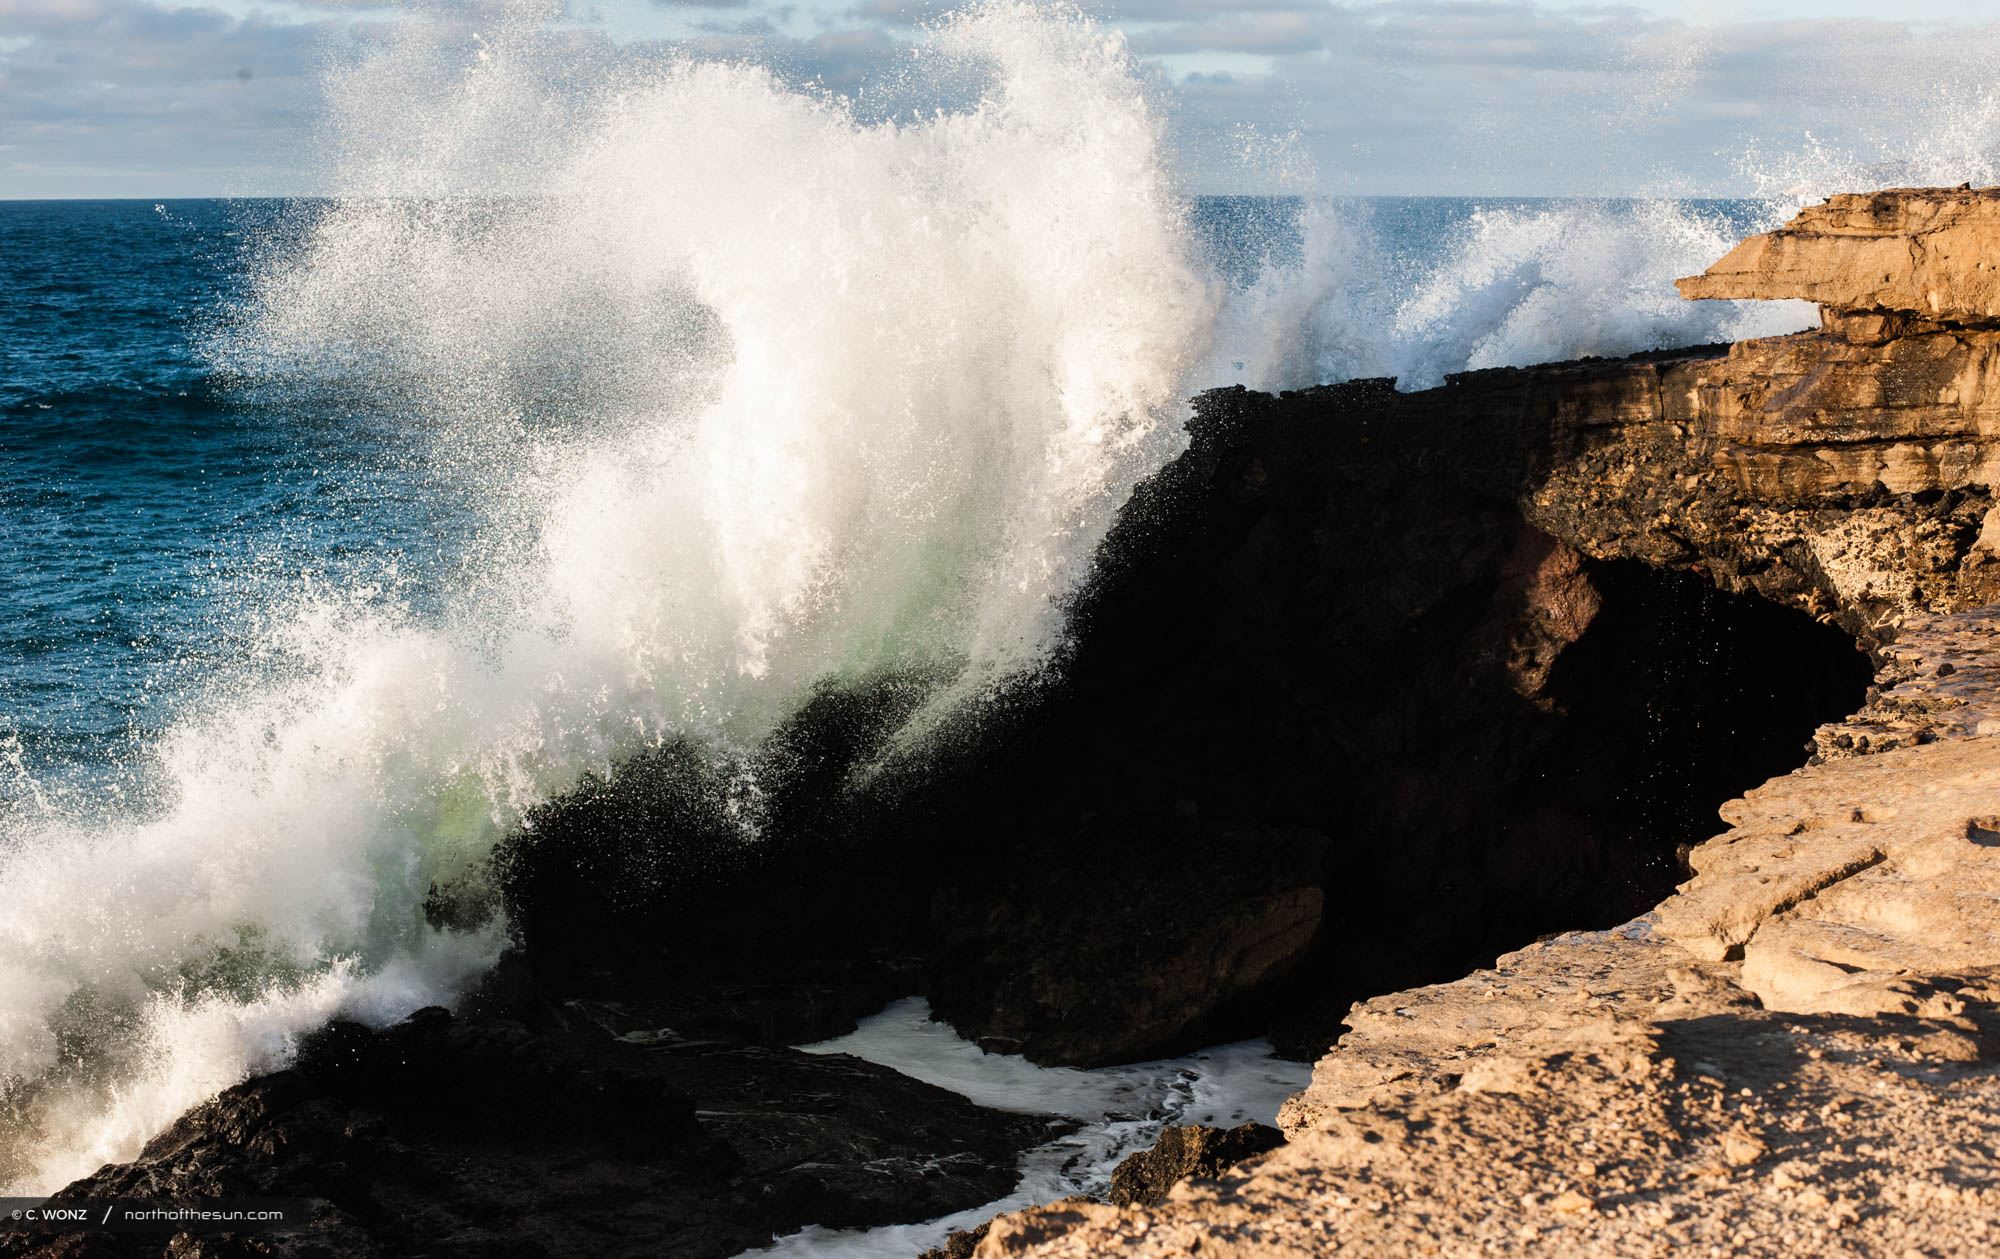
x,y
1314,736
1850,479
1924,254
1846,471
1889,413
1334,614
1799,1050
1181,1154
559,1133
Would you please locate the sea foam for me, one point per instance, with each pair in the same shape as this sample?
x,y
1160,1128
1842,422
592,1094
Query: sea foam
x,y
757,393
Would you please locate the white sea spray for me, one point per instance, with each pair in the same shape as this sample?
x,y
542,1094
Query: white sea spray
x,y
761,392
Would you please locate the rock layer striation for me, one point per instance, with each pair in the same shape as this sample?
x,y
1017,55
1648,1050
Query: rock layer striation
x,y
1910,254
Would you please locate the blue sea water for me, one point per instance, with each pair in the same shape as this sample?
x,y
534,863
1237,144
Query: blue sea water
x,y
152,502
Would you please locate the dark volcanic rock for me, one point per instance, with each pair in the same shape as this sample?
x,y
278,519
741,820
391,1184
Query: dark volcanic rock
x,y
1147,1177
488,1137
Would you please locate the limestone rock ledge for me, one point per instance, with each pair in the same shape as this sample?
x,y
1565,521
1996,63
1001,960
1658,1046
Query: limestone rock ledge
x,y
1798,1053
1847,470
1929,252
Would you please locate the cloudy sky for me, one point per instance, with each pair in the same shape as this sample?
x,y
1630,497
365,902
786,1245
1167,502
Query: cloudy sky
x,y
168,98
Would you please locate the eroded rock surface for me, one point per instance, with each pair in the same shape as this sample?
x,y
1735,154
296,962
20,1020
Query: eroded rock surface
x,y
1940,680
1925,253
1711,1128
1848,477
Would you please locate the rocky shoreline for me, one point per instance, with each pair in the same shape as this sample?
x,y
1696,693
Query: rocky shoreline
x,y
1796,1052
1366,688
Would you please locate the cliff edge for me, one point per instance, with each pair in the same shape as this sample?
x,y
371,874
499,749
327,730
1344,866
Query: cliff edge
x,y
1799,1050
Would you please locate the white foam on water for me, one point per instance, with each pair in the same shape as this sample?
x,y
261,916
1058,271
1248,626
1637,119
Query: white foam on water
x,y
1122,1110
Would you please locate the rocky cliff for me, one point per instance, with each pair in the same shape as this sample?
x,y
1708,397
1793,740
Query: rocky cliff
x,y
1314,737
1796,1051
1366,688
1847,471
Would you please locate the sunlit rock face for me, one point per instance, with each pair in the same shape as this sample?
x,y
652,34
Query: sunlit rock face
x,y
1923,252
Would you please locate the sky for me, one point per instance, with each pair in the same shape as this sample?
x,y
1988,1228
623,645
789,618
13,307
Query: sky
x,y
178,98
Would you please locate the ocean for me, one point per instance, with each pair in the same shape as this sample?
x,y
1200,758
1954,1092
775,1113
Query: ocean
x,y
339,532
152,503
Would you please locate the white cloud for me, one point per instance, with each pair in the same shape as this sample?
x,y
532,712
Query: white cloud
x,y
1461,97
152,98
123,97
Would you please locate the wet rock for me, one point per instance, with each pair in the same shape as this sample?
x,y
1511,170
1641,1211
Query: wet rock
x,y
490,1136
960,1244
649,887
1147,1177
